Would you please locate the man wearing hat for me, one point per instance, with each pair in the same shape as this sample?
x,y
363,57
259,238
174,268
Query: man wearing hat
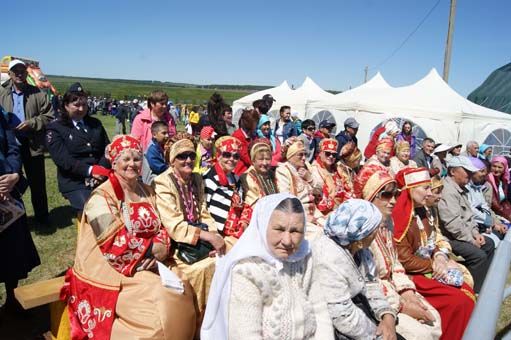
x,y
459,222
30,110
348,135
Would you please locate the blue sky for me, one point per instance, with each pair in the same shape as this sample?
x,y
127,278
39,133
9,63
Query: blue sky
x,y
259,42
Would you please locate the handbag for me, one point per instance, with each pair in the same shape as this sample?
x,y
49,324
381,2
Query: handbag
x,y
10,211
190,254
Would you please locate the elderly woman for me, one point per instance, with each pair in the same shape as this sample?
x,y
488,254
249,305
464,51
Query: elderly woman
x,y
402,158
294,176
114,290
381,158
347,273
264,131
266,287
323,169
17,250
344,178
436,277
181,202
245,134
259,180
499,179
77,142
223,188
417,318
388,131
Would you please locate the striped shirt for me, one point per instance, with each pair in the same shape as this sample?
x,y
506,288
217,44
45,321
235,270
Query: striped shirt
x,y
218,197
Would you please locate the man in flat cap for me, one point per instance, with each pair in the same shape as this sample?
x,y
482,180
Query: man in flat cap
x,y
30,111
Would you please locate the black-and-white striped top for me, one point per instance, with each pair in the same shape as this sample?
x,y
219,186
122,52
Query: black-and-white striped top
x,y
218,197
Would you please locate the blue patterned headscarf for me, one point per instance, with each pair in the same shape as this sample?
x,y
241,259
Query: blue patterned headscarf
x,y
352,221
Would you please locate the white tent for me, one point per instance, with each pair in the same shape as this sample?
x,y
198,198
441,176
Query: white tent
x,y
437,109
281,94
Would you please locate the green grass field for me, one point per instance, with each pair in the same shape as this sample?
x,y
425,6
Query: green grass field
x,y
56,246
120,89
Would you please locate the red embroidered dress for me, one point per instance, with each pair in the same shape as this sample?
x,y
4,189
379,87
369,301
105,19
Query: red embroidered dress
x,y
130,231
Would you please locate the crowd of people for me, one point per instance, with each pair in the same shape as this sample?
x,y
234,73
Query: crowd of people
x,y
264,230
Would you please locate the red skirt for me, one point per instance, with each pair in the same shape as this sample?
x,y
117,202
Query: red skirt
x,y
454,304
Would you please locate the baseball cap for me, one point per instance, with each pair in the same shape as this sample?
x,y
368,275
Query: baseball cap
x,y
269,97
442,148
351,123
15,62
326,124
461,161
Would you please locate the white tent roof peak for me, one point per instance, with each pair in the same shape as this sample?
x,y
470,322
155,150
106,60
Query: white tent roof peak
x,y
284,85
377,82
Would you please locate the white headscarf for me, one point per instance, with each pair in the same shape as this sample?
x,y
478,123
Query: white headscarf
x,y
251,243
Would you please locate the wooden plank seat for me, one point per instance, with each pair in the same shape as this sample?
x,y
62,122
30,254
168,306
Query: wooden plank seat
x,y
39,293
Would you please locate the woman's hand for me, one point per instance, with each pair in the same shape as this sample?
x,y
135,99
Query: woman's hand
x,y
215,240
159,252
440,266
387,328
415,307
304,174
7,182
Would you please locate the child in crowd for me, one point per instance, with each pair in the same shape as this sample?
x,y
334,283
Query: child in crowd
x,y
154,153
204,159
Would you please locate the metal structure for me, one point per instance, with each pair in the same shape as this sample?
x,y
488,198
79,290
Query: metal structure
x,y
483,322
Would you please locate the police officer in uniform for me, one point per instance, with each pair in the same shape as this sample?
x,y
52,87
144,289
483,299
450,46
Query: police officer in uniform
x,y
77,143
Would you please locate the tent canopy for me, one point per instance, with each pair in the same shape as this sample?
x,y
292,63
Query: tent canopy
x,y
495,91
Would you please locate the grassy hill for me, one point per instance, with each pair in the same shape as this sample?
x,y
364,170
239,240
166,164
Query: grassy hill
x,y
128,89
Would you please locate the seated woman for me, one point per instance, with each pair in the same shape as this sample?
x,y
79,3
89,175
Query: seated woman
x,y
181,202
347,167
436,277
499,179
114,290
323,169
294,176
264,131
402,158
224,199
417,318
266,287
259,180
347,273
245,134
77,142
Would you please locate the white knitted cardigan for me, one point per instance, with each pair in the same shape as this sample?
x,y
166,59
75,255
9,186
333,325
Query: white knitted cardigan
x,y
271,303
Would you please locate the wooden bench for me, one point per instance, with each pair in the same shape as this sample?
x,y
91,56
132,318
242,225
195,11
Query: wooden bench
x,y
47,292
39,293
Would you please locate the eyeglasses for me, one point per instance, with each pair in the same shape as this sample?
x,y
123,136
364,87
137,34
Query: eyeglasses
x,y
310,128
185,155
227,155
387,195
330,154
300,154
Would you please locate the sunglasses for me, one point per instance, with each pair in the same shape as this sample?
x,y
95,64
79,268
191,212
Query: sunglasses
x,y
185,155
227,155
330,154
387,195
310,128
